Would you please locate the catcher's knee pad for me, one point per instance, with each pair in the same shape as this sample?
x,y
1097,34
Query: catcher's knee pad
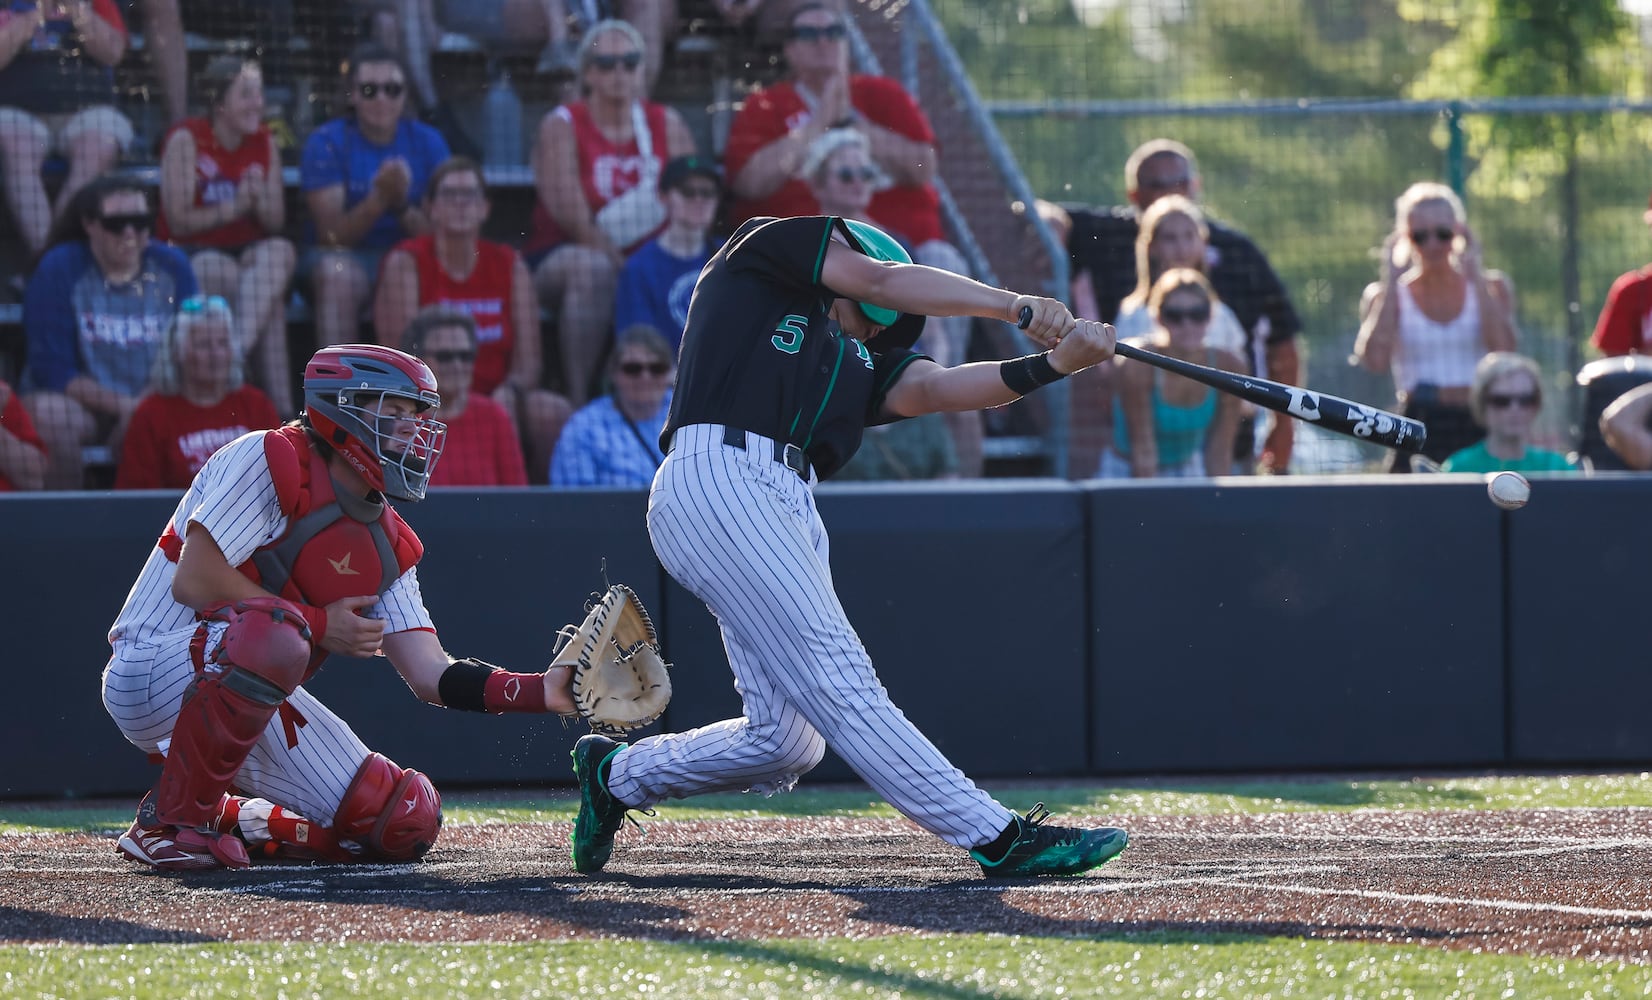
x,y
392,813
264,653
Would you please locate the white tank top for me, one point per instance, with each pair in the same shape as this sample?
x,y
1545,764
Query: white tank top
x,y
1436,353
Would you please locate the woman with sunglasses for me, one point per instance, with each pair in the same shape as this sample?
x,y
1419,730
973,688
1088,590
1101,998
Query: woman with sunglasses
x,y
1436,312
95,312
1505,400
597,164
222,201
615,440
198,401
364,178
1164,425
482,447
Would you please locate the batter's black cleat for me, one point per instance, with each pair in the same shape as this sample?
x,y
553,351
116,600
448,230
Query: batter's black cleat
x,y
600,814
1040,849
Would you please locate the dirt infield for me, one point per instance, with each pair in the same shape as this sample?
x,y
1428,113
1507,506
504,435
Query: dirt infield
x,y
1550,881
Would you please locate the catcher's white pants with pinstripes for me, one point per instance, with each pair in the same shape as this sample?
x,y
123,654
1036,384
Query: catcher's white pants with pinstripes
x,y
143,688
741,532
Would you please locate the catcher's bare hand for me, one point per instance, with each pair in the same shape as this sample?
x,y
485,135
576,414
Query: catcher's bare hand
x,y
1050,320
1090,343
349,634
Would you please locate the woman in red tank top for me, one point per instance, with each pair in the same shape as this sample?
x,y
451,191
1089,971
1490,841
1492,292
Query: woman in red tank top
x,y
589,154
222,200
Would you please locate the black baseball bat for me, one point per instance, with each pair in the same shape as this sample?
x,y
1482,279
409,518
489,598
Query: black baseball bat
x,y
1333,413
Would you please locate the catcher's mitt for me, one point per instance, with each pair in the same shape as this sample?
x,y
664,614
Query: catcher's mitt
x,y
619,678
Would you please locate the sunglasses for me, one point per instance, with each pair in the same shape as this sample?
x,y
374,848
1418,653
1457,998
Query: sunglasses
x,y
607,63
1198,314
459,195
654,368
1502,401
453,357
114,225
371,90
204,303
1442,233
701,192
811,33
849,175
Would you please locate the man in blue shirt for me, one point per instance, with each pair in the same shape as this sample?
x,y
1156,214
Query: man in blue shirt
x,y
658,279
614,440
364,178
95,312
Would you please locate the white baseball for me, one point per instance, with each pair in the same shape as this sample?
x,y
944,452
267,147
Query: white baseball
x,y
1508,490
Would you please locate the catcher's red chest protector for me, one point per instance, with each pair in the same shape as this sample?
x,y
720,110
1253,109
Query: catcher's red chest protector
x,y
325,554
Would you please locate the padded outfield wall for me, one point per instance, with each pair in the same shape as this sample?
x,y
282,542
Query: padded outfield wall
x,y
1030,628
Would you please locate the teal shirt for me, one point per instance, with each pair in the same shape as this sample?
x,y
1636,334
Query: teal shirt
x,y
1179,431
1475,458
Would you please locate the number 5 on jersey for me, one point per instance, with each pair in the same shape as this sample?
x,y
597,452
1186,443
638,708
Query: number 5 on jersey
x,y
788,335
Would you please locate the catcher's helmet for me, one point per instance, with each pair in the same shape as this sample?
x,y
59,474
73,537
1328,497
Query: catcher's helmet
x,y
899,329
344,391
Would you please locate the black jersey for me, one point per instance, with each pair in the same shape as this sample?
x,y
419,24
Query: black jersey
x,y
760,353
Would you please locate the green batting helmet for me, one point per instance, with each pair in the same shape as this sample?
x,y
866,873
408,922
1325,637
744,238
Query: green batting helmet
x,y
878,245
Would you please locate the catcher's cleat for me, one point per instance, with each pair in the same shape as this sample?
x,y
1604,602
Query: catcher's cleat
x,y
600,814
1041,849
174,849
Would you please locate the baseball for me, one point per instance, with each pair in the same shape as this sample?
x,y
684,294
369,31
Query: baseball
x,y
1508,490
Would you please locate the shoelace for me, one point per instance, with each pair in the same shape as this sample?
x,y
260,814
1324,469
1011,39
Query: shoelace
x,y
1034,821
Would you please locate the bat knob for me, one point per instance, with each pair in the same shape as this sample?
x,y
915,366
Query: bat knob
x,y
1026,317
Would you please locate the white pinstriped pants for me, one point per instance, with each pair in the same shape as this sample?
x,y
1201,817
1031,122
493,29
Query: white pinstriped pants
x,y
143,687
741,532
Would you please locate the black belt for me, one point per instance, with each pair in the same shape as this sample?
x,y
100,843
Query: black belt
x,y
787,454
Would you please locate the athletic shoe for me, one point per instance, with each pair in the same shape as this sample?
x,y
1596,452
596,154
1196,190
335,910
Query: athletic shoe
x,y
174,849
1041,849
600,814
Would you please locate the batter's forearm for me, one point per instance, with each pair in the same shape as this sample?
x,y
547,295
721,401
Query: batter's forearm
x,y
930,291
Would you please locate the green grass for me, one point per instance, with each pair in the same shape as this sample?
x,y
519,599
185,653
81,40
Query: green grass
x,y
950,967
1144,798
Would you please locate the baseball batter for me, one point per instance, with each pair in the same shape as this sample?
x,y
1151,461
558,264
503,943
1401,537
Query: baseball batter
x,y
799,335
283,550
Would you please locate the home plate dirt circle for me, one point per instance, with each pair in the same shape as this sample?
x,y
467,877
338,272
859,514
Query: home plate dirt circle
x,y
1564,882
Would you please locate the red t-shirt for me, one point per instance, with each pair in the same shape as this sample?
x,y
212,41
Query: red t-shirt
x,y
606,171
912,211
16,421
1625,324
485,295
170,438
218,173
481,449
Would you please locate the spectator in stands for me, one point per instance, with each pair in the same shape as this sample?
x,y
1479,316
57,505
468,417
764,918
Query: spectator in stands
x,y
597,164
267,25
1103,245
1436,312
657,280
57,94
1166,425
452,265
842,178
768,156
1625,323
615,440
919,448
22,453
1626,423
198,401
223,203
95,313
364,178
1505,398
482,448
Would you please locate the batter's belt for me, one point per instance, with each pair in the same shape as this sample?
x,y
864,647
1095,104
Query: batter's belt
x,y
787,454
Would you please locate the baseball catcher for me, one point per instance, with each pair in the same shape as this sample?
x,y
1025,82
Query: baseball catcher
x,y
619,679
285,549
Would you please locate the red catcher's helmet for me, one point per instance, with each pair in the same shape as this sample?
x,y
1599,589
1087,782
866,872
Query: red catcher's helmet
x,y
344,388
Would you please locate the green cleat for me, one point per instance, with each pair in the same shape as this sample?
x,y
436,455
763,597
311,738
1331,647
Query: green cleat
x,y
600,814
1053,850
